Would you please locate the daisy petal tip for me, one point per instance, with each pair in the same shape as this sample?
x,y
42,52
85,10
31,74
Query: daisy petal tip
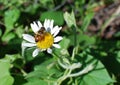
x,y
56,45
35,52
49,51
39,24
58,38
31,25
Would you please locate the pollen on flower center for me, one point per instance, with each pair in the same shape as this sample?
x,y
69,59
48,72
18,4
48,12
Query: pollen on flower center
x,y
46,41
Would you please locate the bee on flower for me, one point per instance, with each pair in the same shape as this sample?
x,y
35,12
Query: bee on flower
x,y
45,37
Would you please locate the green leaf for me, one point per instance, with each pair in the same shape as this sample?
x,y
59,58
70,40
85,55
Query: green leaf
x,y
70,19
15,59
86,40
8,36
45,2
19,80
118,56
11,16
99,76
19,31
28,54
64,46
87,21
48,67
57,16
64,43
46,71
83,39
117,34
37,82
5,77
12,58
31,9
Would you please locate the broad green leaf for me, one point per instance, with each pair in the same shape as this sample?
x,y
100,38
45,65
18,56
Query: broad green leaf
x,y
70,19
5,77
37,82
12,58
46,70
36,74
8,36
11,16
48,67
99,76
57,16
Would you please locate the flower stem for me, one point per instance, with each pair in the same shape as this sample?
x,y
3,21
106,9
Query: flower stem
x,y
73,54
65,76
24,73
75,36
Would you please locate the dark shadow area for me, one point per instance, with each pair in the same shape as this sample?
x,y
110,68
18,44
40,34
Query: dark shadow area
x,y
12,47
109,60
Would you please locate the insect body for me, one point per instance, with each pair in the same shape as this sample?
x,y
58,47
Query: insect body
x,y
40,34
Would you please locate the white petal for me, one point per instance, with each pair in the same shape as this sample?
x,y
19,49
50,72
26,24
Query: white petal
x,y
35,52
29,38
51,24
49,50
57,39
45,24
48,23
56,45
34,27
56,32
39,24
28,44
54,29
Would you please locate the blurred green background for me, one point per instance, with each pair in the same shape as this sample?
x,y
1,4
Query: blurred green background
x,y
97,24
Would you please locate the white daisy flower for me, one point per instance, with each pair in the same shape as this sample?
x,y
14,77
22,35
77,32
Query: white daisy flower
x,y
45,37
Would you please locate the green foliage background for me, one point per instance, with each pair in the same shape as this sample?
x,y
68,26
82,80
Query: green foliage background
x,y
15,19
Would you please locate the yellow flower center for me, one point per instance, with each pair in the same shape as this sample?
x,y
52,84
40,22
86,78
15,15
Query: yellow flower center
x,y
44,40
